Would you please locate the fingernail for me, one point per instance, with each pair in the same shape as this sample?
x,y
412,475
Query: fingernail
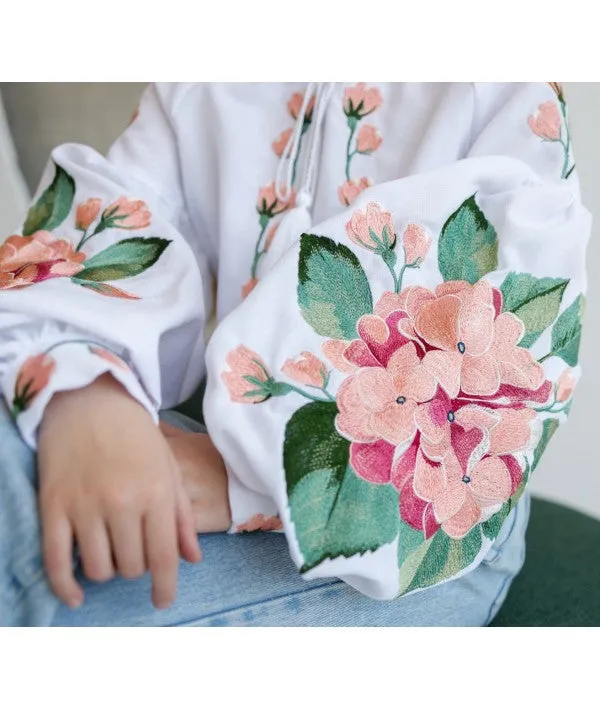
x,y
75,601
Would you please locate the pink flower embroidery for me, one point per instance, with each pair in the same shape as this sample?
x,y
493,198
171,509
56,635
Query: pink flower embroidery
x,y
307,370
335,352
248,377
475,347
87,212
416,244
380,402
109,357
281,142
260,523
127,213
28,260
458,499
372,228
368,139
248,287
295,105
565,386
33,377
351,189
360,101
268,204
547,122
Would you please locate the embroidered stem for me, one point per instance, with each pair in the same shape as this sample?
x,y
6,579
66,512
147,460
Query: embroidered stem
x,y
543,359
86,238
401,276
264,221
292,388
352,124
566,144
550,408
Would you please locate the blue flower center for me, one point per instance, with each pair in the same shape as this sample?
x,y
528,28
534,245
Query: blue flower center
x,y
466,479
400,399
461,347
451,417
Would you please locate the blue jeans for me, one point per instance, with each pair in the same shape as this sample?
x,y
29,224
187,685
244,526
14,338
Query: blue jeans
x,y
244,580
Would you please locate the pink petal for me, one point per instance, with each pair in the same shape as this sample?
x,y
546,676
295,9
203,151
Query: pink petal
x,y
449,500
373,329
412,298
513,431
405,357
437,322
521,370
354,418
357,353
416,512
459,525
449,288
446,368
373,462
464,444
334,351
432,420
491,482
396,423
476,326
388,303
516,474
375,387
429,478
480,375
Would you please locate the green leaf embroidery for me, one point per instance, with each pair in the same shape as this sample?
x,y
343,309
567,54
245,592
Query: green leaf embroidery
x,y
409,540
468,247
439,558
549,427
333,290
335,513
566,333
493,525
125,259
53,205
535,301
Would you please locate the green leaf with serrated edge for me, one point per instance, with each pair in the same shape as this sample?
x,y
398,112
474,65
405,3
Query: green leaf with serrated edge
x,y
468,246
549,427
127,258
411,565
53,205
534,301
443,558
333,289
335,513
566,333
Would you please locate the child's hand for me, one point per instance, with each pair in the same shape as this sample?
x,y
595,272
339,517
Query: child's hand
x,y
204,478
108,481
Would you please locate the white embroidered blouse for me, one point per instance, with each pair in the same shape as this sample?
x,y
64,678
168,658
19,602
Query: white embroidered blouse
x,y
400,279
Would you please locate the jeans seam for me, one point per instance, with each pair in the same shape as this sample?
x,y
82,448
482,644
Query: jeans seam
x,y
266,600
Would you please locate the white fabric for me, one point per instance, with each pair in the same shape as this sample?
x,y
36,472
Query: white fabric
x,y
198,156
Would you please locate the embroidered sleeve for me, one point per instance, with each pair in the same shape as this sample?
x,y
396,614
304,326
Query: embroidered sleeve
x,y
393,382
87,283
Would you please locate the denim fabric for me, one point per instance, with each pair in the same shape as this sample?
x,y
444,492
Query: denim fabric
x,y
244,580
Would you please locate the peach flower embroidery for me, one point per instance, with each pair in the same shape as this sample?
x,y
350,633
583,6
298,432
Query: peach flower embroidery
x,y
87,212
248,287
360,101
546,123
109,357
380,402
295,105
268,204
565,386
33,377
28,260
368,140
416,244
280,143
351,189
260,523
307,369
127,213
248,377
459,499
372,228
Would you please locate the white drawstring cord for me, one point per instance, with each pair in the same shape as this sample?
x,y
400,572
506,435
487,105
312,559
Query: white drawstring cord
x,y
286,162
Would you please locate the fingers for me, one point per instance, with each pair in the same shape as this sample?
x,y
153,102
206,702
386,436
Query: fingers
x,y
94,547
128,544
58,557
160,534
189,547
